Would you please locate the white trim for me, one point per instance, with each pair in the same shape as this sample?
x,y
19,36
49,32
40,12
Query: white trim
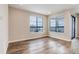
x,y
18,40
35,38
25,39
62,39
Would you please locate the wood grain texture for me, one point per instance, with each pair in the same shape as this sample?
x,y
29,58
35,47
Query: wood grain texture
x,y
40,46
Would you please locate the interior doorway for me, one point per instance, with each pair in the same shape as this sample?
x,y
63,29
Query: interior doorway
x,y
73,27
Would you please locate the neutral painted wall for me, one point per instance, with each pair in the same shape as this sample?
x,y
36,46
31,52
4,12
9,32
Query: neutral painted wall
x,y
19,25
67,26
78,26
3,28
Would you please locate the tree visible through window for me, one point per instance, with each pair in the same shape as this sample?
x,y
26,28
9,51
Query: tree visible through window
x,y
36,24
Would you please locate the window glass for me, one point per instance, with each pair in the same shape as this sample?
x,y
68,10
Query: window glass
x,y
60,25
36,24
53,25
57,24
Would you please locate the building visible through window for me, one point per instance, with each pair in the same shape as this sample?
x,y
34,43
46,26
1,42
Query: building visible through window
x,y
36,24
57,24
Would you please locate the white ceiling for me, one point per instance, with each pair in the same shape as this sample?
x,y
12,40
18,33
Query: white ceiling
x,y
45,9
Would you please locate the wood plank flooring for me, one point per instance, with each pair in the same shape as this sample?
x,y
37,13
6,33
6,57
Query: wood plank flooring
x,y
40,46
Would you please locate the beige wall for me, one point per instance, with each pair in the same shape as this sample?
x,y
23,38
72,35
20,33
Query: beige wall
x,y
3,28
78,26
19,25
67,26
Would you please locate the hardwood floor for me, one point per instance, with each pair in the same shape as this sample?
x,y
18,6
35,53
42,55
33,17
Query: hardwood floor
x,y
40,46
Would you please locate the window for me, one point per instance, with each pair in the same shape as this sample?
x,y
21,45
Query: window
x,y
57,24
36,24
53,25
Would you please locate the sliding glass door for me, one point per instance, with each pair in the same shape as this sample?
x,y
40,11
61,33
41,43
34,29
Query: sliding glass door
x,y
73,26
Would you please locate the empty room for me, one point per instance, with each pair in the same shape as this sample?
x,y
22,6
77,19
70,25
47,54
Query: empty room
x,y
39,28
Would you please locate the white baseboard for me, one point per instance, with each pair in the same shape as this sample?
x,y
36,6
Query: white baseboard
x,y
25,39
17,40
69,40
35,38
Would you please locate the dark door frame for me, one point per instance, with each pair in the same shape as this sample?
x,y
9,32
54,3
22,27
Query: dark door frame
x,y
73,25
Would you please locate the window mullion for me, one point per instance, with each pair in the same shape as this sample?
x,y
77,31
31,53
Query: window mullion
x,y
36,23
56,26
